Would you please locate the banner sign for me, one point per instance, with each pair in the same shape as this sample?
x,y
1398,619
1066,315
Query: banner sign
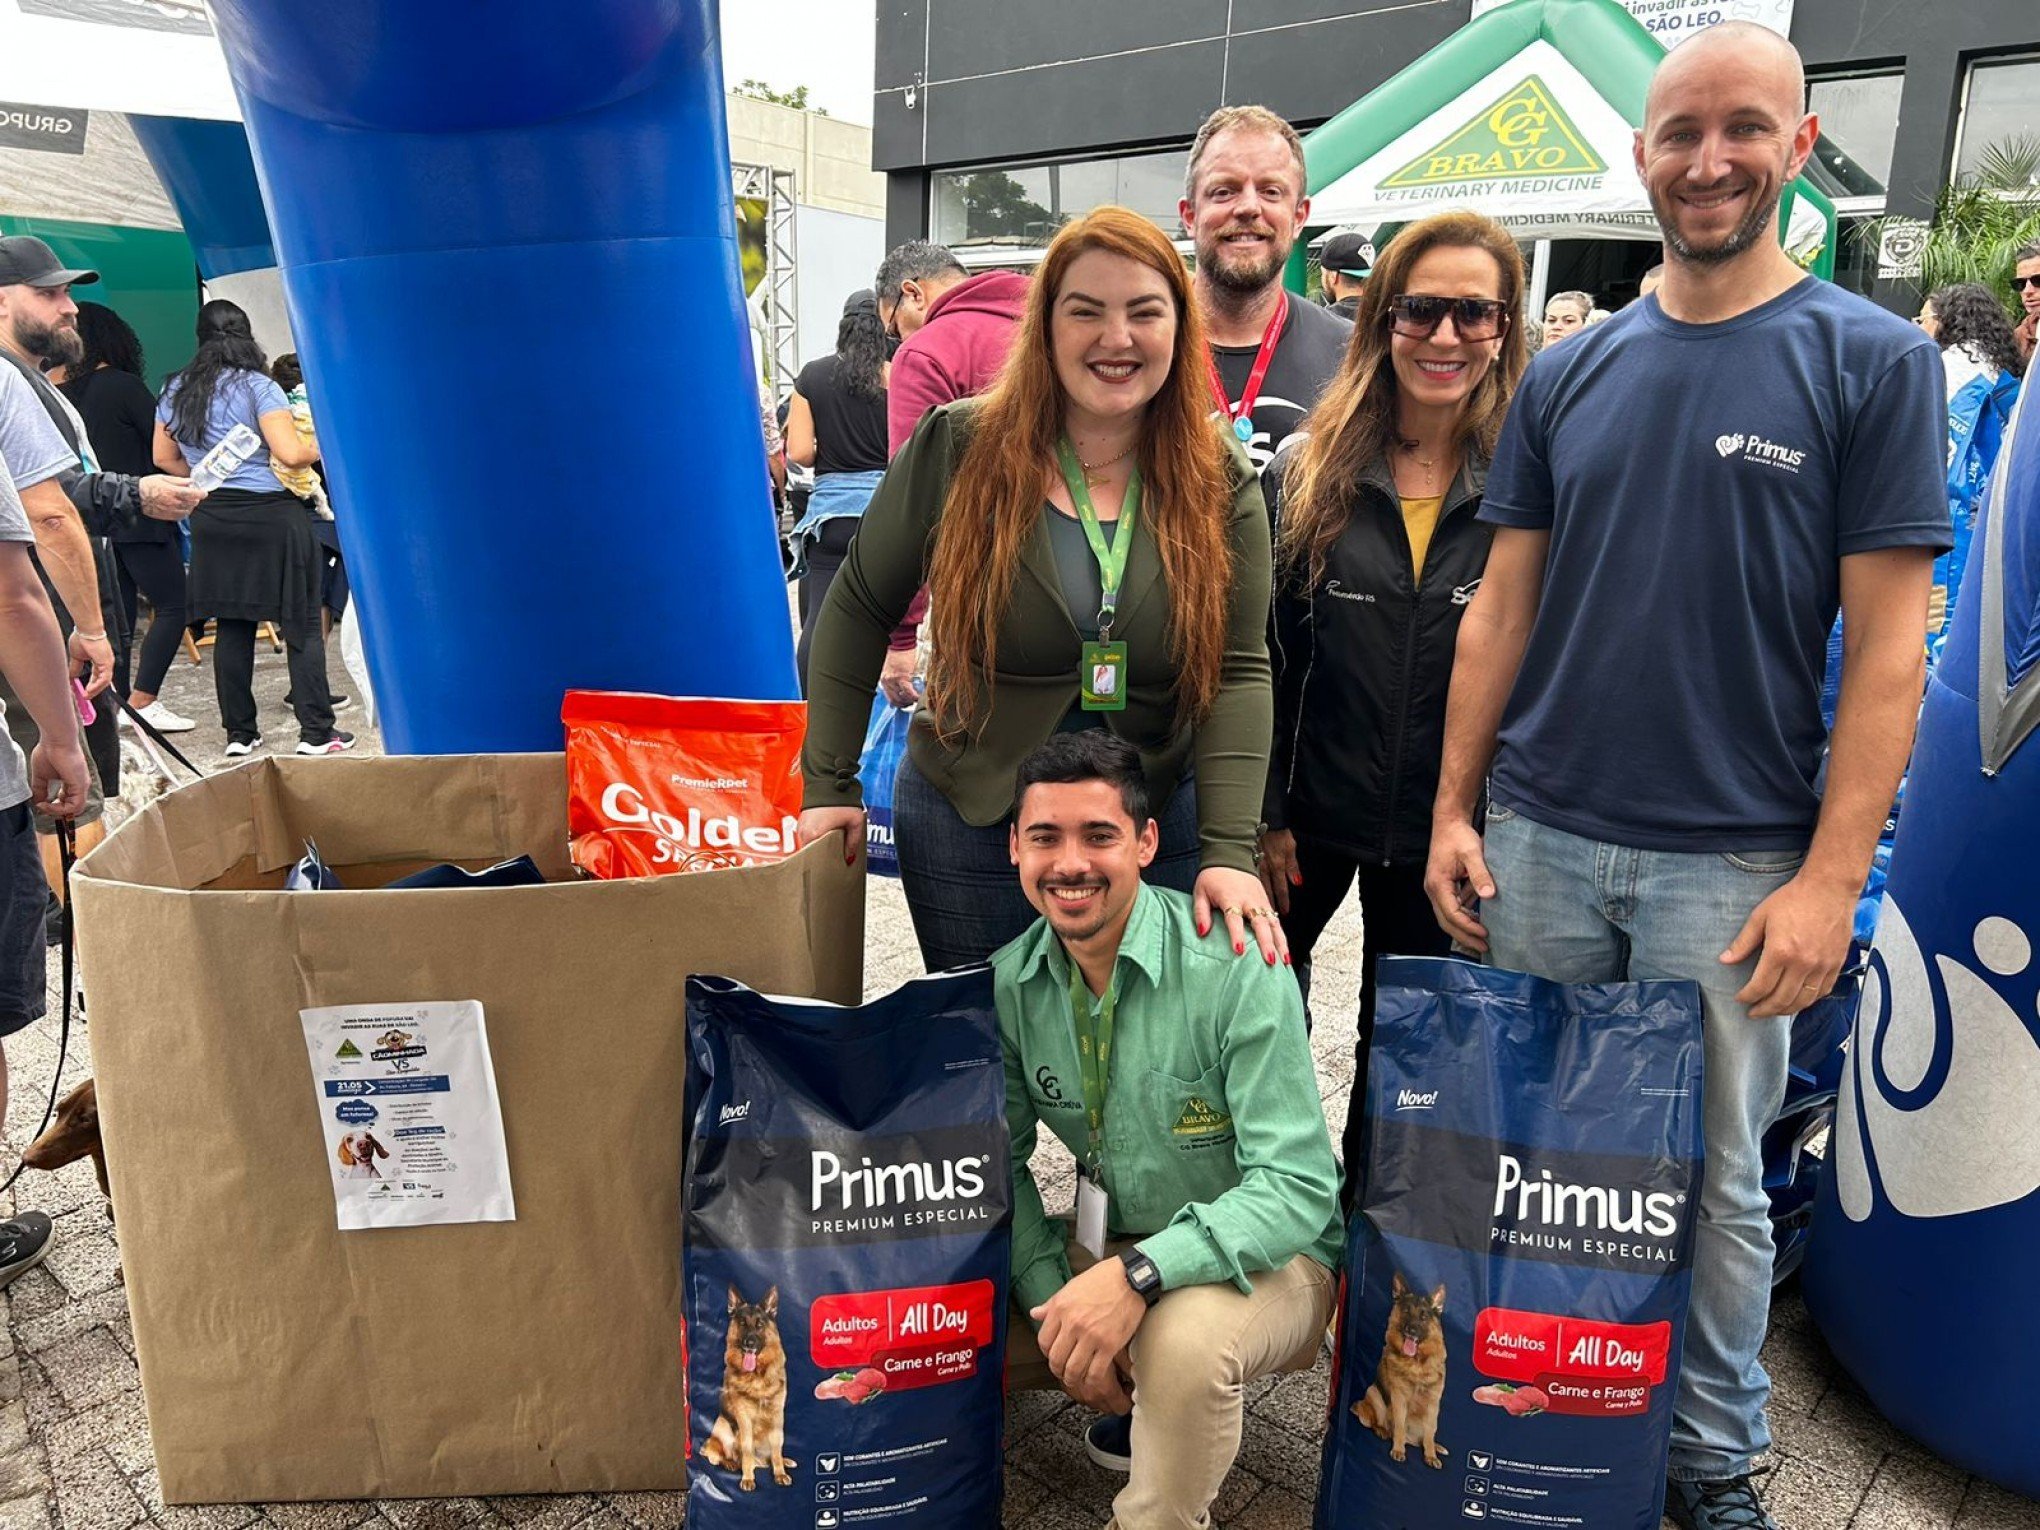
x,y
49,130
1672,21
1532,138
1901,248
158,57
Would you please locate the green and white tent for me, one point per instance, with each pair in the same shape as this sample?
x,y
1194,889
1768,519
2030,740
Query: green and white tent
x,y
1528,114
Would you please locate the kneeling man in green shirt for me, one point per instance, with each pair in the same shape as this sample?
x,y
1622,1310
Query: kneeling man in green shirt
x,y
1180,1076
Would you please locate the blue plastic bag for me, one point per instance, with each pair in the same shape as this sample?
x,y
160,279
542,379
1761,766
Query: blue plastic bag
x,y
1518,1269
885,743
846,1258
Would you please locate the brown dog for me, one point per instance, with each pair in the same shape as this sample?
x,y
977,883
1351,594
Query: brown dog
x,y
751,1429
73,1133
1402,1405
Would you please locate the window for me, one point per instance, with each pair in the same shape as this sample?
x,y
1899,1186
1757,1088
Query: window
x,y
1021,206
1858,128
2002,106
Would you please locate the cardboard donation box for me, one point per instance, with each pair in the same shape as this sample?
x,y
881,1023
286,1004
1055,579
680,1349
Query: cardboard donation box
x,y
284,1358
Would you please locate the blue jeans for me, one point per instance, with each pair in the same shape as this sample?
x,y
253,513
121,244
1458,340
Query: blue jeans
x,y
960,882
1577,911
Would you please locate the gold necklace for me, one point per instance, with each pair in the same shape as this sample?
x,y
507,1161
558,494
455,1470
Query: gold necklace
x,y
1428,464
1094,470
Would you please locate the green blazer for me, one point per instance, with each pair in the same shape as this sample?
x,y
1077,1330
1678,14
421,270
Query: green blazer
x,y
1035,685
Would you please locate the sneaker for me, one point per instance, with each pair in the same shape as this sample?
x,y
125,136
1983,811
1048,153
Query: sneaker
x,y
236,747
1109,1442
163,720
333,743
24,1244
1731,1504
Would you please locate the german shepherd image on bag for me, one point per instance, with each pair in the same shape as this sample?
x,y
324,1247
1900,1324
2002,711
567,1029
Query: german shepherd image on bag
x,y
1402,1405
1519,1260
847,1257
750,1432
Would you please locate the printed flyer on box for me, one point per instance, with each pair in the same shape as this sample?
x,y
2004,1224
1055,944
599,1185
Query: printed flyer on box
x,y
411,1126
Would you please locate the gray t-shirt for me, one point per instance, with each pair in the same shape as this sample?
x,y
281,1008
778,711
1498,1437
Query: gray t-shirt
x,y
14,527
33,447
1076,567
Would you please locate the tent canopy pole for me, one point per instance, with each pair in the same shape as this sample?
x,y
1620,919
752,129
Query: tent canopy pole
x,y
1540,278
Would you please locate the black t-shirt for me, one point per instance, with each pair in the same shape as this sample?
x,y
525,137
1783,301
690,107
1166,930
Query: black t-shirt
x,y
849,431
119,413
1312,345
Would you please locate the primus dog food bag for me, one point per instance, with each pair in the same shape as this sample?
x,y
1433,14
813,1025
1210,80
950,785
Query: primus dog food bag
x,y
847,1246
1518,1269
659,784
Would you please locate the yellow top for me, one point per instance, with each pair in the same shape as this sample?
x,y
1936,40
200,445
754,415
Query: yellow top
x,y
1420,519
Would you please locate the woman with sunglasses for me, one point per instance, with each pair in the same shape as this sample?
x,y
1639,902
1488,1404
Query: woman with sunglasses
x,y
1377,552
1096,552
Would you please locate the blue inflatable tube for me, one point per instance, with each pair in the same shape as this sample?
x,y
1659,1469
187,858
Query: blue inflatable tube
x,y
508,245
206,169
1927,1232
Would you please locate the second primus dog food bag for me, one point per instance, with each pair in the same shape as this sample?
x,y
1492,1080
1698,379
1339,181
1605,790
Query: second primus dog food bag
x,y
659,784
847,1250
1518,1270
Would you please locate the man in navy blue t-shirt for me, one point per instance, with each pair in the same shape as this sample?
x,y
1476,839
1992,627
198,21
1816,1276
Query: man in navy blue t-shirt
x,y
1682,497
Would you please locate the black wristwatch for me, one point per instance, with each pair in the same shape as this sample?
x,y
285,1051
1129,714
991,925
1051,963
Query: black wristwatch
x,y
1142,1275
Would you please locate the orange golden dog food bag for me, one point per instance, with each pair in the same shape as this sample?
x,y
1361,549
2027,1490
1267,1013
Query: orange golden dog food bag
x,y
664,784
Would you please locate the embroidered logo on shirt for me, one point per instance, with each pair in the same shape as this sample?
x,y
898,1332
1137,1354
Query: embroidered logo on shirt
x,y
1756,449
1200,1119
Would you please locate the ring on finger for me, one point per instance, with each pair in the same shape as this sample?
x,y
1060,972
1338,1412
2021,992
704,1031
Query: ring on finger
x,y
1260,913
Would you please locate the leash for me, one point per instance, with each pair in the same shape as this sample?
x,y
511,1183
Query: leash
x,y
152,733
67,852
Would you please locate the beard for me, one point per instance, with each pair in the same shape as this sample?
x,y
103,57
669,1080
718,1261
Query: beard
x,y
1229,274
1756,224
59,345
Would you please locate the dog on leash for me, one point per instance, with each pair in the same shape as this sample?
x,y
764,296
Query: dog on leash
x,y
750,1431
1402,1405
73,1134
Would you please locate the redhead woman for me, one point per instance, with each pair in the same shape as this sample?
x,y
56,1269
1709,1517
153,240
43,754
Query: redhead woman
x,y
1097,553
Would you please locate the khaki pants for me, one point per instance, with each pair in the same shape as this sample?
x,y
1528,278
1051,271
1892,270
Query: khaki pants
x,y
1195,1352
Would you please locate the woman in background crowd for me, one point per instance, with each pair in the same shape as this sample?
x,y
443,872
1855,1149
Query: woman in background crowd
x,y
119,411
1565,314
1377,552
1974,332
835,424
254,555
1096,549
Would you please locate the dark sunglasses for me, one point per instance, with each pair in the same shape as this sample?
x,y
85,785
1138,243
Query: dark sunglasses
x,y
1418,316
2020,283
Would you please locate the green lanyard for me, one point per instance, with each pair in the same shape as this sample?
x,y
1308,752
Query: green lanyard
x,y
1094,1056
1112,559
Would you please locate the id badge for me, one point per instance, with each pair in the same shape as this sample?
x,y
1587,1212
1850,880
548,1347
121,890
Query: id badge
x,y
1091,1200
1102,683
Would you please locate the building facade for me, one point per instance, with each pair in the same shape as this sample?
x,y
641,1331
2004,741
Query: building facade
x,y
994,122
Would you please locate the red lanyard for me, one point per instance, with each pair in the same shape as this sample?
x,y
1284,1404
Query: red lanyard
x,y
1242,413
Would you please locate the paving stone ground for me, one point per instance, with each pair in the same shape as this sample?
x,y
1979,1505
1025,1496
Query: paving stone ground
x,y
74,1445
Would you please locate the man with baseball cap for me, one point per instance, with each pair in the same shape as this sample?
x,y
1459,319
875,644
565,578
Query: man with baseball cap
x,y
1345,261
67,499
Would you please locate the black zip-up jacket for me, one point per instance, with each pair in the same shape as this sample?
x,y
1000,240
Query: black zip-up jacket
x,y
1362,665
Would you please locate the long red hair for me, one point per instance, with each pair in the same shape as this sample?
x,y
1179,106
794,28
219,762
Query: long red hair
x,y
996,497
